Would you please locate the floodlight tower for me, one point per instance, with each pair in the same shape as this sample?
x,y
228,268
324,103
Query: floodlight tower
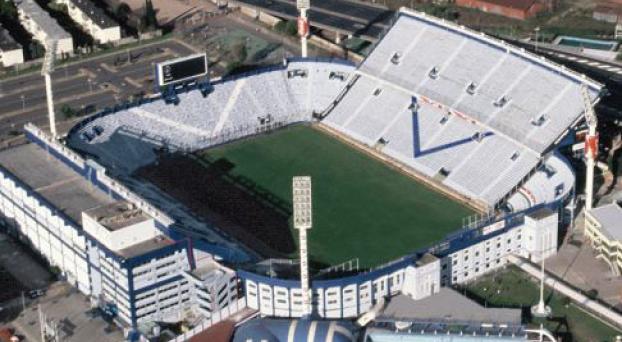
x,y
591,147
303,24
303,215
46,70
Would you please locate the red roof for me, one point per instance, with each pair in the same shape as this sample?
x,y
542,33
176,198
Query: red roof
x,y
522,5
612,6
6,334
219,332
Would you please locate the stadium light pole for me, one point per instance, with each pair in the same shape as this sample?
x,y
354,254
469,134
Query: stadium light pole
x,y
46,71
541,310
591,147
303,216
303,24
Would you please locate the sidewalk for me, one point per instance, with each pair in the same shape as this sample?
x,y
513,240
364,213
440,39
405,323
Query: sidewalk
x,y
595,308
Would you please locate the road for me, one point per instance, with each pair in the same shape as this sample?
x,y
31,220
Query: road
x,y
344,16
96,82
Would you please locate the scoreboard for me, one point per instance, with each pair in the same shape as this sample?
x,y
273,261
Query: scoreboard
x,y
181,69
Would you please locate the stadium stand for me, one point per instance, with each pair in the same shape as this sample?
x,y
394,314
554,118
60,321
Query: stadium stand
x,y
479,129
235,108
553,180
541,99
470,159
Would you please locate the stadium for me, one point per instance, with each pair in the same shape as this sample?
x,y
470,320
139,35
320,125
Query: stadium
x,y
442,140
479,143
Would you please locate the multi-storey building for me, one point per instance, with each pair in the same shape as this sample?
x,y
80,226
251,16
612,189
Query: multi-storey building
x,y
93,20
105,241
603,228
43,27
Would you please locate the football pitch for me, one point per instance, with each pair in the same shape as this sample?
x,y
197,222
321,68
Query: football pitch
x,y
362,208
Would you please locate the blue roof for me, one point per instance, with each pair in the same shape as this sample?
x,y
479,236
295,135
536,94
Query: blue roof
x,y
278,330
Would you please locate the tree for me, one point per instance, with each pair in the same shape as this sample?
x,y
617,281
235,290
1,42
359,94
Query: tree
x,y
149,22
7,9
123,12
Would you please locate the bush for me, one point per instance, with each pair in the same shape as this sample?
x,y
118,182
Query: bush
x,y
288,27
592,294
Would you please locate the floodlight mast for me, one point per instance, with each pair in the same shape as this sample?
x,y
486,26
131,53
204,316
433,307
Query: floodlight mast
x,y
303,216
46,70
591,147
303,24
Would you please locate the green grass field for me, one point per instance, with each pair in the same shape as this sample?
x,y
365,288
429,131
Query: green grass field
x,y
362,208
514,288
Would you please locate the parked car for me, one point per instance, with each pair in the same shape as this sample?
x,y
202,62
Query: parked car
x,y
36,293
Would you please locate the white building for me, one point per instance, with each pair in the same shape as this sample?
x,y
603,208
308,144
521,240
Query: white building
x,y
459,259
93,20
603,228
104,240
11,53
43,27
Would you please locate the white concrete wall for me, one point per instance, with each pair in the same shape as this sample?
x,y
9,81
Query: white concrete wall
x,y
102,35
418,282
53,237
12,57
121,238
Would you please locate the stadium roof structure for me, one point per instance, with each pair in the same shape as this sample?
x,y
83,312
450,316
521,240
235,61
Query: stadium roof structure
x,y
501,87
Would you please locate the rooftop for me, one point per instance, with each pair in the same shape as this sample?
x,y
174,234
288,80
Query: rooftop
x,y
448,305
117,215
57,183
141,248
609,217
522,5
42,18
541,213
96,14
7,43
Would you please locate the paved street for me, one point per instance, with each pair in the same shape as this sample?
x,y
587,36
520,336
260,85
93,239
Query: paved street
x,y
95,82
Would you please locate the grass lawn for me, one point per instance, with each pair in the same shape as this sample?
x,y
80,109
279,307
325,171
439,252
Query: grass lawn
x,y
362,208
514,288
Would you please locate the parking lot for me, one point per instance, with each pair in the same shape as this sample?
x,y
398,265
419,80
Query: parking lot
x,y
67,312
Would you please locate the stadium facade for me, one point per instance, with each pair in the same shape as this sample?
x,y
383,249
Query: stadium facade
x,y
470,115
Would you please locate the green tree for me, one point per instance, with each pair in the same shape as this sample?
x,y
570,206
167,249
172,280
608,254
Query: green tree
x,y
7,9
123,12
149,22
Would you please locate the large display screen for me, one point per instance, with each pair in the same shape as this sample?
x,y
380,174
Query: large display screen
x,y
181,69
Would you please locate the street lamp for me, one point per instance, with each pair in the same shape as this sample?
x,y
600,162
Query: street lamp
x,y
23,97
537,29
541,310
